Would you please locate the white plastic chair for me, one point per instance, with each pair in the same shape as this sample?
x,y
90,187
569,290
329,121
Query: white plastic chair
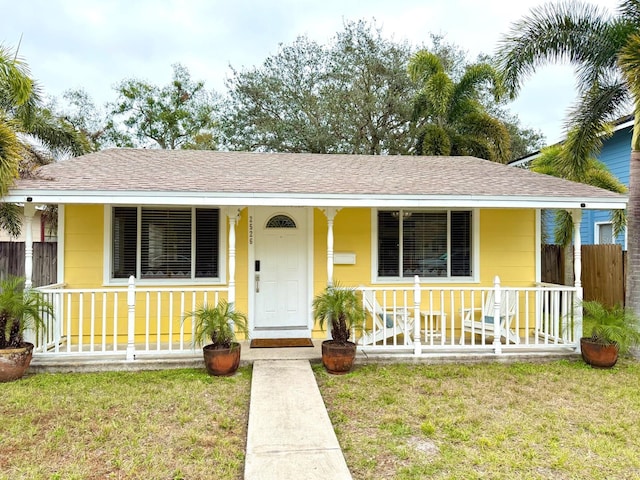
x,y
387,323
481,321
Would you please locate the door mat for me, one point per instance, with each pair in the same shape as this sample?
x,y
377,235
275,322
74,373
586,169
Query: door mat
x,y
280,342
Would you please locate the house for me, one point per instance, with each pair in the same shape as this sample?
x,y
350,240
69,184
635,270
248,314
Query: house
x,y
146,235
596,227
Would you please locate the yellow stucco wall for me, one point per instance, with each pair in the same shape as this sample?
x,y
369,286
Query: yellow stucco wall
x,y
506,248
84,253
83,246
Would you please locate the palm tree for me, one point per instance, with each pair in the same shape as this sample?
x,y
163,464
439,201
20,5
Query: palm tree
x,y
553,161
604,49
30,134
15,89
449,115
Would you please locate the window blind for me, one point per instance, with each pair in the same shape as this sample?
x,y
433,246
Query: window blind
x,y
124,241
388,244
165,242
428,244
207,228
170,242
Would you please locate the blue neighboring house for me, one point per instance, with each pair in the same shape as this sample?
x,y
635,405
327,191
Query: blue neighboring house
x,y
596,225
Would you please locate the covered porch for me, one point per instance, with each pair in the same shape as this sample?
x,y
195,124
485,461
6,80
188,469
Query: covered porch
x,y
136,324
445,253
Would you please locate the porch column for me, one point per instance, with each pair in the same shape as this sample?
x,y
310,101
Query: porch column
x,y
131,319
330,213
29,212
234,216
576,215
497,299
417,297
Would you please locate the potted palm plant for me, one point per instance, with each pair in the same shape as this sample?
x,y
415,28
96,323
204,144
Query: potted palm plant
x,y
611,331
217,323
343,310
20,310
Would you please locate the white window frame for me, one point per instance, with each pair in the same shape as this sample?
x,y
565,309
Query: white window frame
x,y
475,249
108,254
596,233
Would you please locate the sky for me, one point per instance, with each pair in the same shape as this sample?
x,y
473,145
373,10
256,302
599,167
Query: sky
x,y
95,44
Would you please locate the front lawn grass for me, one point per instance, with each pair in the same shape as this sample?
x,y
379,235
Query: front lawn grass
x,y
174,424
560,420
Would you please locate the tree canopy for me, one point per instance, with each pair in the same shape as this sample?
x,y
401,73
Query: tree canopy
x,y
350,96
177,115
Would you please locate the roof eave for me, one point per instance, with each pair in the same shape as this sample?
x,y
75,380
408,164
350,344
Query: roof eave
x,y
313,200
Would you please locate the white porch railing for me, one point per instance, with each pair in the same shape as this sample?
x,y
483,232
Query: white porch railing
x,y
134,321
426,319
128,320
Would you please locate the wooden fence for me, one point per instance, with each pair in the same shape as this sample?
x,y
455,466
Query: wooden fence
x,y
603,271
45,261
553,264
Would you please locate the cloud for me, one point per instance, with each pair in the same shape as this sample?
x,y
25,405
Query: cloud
x,y
96,44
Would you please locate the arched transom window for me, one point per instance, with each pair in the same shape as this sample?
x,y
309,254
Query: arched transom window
x,y
281,221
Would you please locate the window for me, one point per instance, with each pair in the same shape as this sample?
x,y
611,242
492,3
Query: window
x,y
281,221
165,243
428,244
604,233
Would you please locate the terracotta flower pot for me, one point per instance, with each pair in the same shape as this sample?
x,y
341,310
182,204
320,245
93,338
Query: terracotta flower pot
x,y
338,358
598,355
221,362
14,362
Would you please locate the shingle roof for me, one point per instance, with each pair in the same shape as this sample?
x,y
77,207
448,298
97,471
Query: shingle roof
x,y
241,178
273,173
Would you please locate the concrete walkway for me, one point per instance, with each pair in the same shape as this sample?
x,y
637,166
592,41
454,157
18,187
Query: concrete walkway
x,y
290,435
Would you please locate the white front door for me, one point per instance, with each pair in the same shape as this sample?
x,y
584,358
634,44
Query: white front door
x,y
280,272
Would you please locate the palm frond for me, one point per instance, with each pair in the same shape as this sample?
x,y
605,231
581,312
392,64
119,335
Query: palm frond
x,y
217,323
619,221
630,10
629,61
20,310
589,125
10,219
15,81
55,133
422,65
491,133
9,154
477,75
551,33
611,325
599,175
439,89
563,229
547,161
473,145
433,139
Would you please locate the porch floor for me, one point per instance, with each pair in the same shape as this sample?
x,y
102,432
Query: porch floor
x,y
89,362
